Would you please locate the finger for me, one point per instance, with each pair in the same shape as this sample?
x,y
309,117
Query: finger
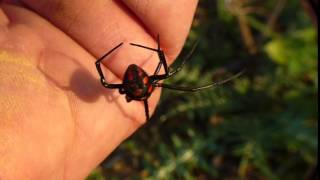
x,y
100,25
170,19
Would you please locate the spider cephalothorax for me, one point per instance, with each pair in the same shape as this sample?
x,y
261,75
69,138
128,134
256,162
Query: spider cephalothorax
x,y
138,85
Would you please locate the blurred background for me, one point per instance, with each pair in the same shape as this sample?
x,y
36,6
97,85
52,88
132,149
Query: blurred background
x,y
262,125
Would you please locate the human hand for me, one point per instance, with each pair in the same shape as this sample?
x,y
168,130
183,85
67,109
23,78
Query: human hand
x,y
57,121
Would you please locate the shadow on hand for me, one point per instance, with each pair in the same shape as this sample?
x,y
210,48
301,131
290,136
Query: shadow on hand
x,y
68,74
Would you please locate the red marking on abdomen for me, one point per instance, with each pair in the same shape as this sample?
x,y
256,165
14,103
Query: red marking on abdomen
x,y
145,80
130,76
150,89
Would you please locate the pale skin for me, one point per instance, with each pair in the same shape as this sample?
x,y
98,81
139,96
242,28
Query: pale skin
x,y
57,121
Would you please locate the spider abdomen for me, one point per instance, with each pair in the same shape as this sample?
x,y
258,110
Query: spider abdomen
x,y
136,83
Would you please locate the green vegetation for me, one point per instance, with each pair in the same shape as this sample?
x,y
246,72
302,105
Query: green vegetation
x,y
262,125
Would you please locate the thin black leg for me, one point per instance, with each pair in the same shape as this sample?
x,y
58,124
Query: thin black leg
x,y
146,108
162,59
171,73
102,78
156,72
184,60
161,55
193,89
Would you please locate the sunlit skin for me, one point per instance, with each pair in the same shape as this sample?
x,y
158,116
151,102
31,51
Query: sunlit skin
x,y
57,121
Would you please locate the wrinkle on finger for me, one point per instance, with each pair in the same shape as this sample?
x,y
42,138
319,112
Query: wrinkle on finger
x,y
16,37
4,20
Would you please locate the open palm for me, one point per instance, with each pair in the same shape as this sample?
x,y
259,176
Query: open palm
x,y
57,120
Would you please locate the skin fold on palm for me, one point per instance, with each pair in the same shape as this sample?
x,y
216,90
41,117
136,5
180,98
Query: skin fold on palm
x,y
56,118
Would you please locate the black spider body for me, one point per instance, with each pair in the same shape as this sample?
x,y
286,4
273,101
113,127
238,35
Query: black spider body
x,y
138,85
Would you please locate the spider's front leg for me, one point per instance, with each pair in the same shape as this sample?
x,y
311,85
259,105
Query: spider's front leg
x,y
177,69
162,59
146,109
102,78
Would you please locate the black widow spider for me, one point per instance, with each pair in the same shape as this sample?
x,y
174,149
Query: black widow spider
x,y
138,85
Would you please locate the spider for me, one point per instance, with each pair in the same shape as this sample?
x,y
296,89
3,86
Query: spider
x,y
138,85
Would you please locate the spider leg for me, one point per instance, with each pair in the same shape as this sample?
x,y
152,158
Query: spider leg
x,y
163,61
171,73
146,108
161,56
102,78
193,89
156,72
